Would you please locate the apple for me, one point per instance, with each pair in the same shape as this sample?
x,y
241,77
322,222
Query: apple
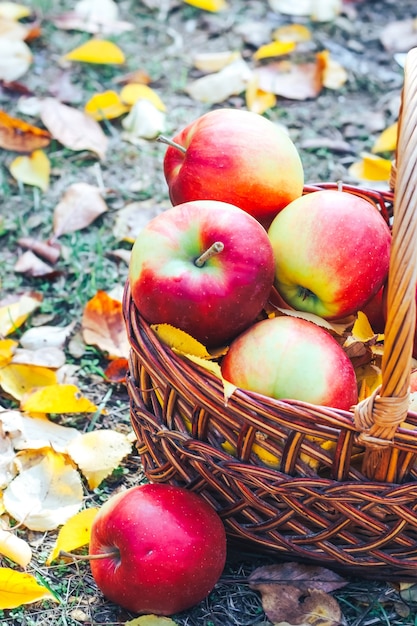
x,y
332,252
374,311
177,277
166,549
234,156
288,357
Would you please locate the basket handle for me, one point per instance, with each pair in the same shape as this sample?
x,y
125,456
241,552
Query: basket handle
x,y
379,416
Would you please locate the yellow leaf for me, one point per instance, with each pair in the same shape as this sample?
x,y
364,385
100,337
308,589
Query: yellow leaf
x,y
362,330
387,140
208,5
258,100
18,379
292,32
151,620
274,49
7,348
32,170
47,491
214,368
180,341
105,106
17,588
209,62
98,453
132,92
13,315
57,398
15,548
74,534
371,168
369,378
97,51
13,11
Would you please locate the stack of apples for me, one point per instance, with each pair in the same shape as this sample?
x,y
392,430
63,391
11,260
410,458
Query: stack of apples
x,y
239,231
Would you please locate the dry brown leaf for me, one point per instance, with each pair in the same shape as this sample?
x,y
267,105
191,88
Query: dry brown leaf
x,y
31,265
19,136
298,594
399,36
291,80
103,325
80,205
45,249
73,128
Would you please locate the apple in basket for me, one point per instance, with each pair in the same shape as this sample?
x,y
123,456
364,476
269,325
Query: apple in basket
x,y
205,267
291,358
166,549
331,251
235,156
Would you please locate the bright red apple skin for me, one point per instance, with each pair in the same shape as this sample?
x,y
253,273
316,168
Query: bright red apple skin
x,y
332,252
212,303
238,157
172,546
291,358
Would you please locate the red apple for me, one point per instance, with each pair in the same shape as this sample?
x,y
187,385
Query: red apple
x,y
291,358
238,157
166,545
211,300
331,251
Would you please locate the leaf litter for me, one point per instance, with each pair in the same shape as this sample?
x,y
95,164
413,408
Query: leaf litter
x,y
73,131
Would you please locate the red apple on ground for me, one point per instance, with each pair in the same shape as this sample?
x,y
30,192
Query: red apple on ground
x,y
291,358
238,157
215,299
331,251
166,545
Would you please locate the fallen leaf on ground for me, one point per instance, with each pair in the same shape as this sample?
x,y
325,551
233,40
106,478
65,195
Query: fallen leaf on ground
x,y
32,170
292,32
18,379
56,398
132,92
52,358
215,88
80,205
399,35
334,75
15,548
14,311
258,100
151,620
371,168
297,594
387,140
46,492
93,16
73,128
295,81
33,433
11,29
7,349
31,265
44,249
116,370
43,336
103,325
97,51
14,11
209,62
274,49
132,218
15,59
74,534
17,588
144,121
98,453
105,106
208,5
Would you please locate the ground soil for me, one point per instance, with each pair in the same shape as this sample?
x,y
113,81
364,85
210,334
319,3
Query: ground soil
x,y
330,131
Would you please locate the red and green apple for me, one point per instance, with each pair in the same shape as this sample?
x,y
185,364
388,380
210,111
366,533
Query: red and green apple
x,y
332,252
238,157
166,549
205,267
287,357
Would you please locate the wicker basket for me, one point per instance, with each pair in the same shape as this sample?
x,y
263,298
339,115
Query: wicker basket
x,y
358,514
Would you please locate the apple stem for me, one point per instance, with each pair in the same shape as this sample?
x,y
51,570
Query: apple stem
x,y
215,248
169,142
89,557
